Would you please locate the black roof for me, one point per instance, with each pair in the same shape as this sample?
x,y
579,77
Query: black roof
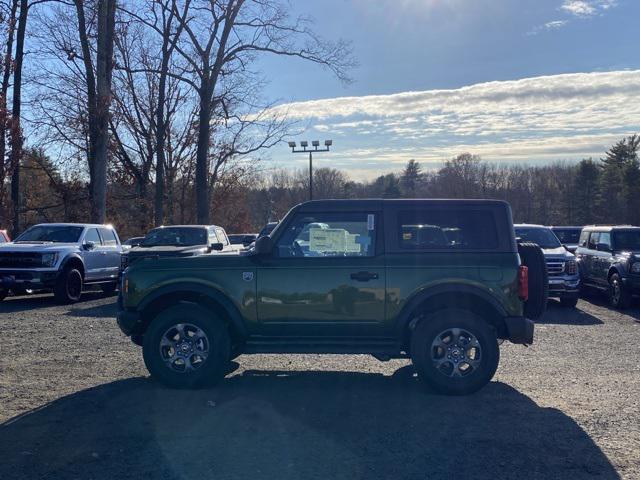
x,y
377,203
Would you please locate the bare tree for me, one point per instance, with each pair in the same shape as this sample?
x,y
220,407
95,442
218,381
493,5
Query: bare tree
x,y
221,38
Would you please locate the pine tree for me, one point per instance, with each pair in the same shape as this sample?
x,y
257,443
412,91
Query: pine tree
x,y
411,179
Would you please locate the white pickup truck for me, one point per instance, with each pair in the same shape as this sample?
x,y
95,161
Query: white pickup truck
x,y
61,257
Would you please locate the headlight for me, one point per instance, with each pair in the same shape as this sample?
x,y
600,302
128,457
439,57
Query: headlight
x,y
635,267
49,259
571,267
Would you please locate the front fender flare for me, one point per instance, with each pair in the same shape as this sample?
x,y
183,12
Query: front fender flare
x,y
230,309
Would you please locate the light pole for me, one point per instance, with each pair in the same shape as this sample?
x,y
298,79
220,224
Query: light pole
x,y
315,144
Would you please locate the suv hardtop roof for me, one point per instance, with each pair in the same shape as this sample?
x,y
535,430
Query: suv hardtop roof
x,y
528,225
84,225
186,226
377,203
609,228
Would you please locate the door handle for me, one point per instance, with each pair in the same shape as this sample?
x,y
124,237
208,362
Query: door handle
x,y
364,276
103,253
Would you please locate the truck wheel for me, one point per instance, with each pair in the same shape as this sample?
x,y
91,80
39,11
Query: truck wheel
x,y
109,288
532,256
3,294
619,296
68,288
187,346
569,302
455,351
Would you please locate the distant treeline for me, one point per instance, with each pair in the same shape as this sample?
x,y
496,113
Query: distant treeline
x,y
590,191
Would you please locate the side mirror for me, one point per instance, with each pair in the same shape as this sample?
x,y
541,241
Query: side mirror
x,y
217,246
263,245
603,247
89,245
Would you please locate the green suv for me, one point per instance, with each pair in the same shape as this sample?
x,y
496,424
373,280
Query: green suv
x,y
437,281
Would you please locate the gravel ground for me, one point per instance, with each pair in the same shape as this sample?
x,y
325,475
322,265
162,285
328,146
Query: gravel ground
x,y
76,402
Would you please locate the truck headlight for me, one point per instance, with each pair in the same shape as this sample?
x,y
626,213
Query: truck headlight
x,y
635,267
571,267
49,259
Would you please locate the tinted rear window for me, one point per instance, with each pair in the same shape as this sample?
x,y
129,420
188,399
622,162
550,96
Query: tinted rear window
x,y
457,229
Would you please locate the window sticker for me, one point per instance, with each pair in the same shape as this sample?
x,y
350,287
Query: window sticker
x,y
370,221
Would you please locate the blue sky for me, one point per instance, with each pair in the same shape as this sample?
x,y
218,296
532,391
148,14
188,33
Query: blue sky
x,y
527,81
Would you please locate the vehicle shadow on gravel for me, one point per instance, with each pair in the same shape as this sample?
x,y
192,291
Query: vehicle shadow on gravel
x,y
30,302
297,425
557,314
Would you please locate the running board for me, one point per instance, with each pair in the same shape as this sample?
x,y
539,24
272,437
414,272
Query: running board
x,y
376,347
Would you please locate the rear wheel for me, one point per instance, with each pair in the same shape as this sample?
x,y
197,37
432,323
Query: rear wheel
x,y
68,287
3,294
187,346
619,296
455,351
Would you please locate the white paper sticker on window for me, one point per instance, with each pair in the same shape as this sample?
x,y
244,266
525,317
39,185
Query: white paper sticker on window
x,y
370,222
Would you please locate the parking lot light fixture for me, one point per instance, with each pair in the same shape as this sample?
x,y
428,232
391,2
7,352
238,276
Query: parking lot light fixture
x,y
316,148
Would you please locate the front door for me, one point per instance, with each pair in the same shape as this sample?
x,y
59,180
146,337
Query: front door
x,y
91,255
326,277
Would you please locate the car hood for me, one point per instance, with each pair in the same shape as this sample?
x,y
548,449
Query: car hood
x,y
557,252
166,250
36,247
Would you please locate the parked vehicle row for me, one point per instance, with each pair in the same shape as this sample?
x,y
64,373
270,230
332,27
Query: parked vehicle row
x,y
63,258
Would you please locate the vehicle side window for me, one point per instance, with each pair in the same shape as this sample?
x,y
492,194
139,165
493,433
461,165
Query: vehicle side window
x,y
605,237
447,229
108,237
584,239
222,238
212,236
346,234
93,236
593,240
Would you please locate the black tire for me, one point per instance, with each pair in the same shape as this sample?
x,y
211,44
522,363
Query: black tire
x,y
425,355
569,302
619,295
137,340
109,288
3,294
209,371
532,257
68,288
19,291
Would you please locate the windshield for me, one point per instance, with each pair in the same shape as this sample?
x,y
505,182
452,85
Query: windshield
x,y
627,240
175,237
51,233
569,236
544,237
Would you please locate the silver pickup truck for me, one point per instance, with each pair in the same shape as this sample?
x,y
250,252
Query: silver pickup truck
x,y
62,258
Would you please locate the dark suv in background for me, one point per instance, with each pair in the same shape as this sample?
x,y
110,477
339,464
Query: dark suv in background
x,y
562,268
609,260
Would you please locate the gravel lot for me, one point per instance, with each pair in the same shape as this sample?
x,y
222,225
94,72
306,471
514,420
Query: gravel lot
x,y
76,402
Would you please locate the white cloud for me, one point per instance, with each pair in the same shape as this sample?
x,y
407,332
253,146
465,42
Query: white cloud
x,y
560,117
587,8
552,25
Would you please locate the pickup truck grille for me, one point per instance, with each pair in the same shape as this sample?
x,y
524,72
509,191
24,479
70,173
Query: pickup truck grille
x,y
555,267
20,260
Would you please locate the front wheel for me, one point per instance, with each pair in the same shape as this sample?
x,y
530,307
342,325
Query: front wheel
x,y
619,296
68,287
187,346
455,351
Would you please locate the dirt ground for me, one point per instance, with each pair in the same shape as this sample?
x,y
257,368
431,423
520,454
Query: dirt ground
x,y
76,402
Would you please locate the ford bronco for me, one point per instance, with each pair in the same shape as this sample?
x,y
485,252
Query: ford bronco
x,y
438,281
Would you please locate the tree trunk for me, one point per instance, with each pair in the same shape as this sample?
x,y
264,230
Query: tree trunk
x,y
202,156
4,114
104,66
16,135
161,131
